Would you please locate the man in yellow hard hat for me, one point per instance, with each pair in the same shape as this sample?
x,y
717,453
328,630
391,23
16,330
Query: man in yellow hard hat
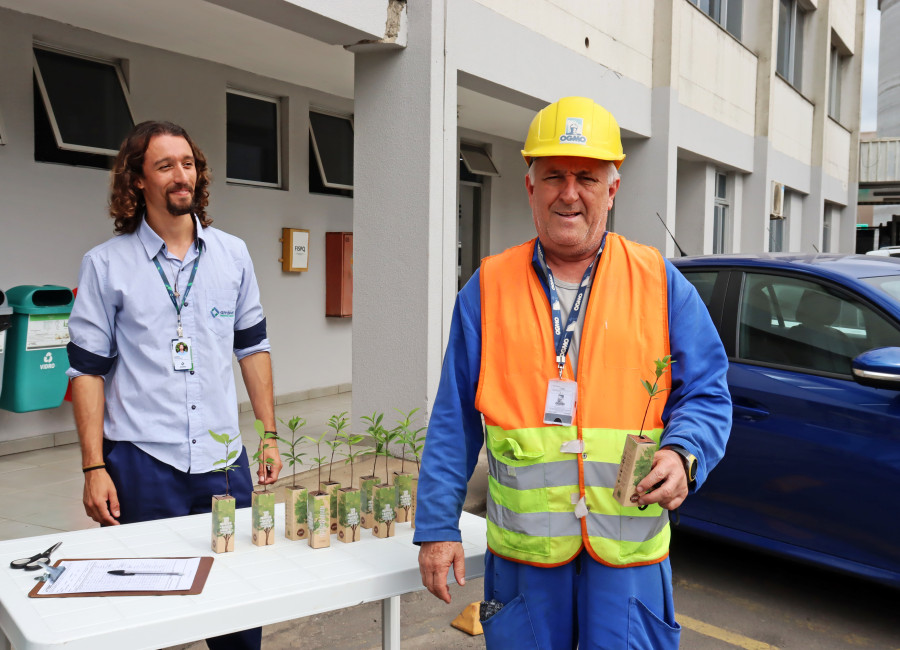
x,y
567,345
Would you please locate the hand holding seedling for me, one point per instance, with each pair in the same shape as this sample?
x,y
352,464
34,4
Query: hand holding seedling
x,y
267,456
666,483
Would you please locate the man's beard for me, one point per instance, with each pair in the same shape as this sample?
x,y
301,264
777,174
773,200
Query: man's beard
x,y
178,209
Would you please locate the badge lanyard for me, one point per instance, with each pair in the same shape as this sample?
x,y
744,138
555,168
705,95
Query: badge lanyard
x,y
174,294
563,337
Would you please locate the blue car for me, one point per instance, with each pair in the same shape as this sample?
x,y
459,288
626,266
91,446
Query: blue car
x,y
812,468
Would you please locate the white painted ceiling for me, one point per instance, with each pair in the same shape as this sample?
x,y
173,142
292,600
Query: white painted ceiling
x,y
234,39
207,31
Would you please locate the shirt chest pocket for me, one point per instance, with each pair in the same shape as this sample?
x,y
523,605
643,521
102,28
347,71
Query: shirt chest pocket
x,y
220,308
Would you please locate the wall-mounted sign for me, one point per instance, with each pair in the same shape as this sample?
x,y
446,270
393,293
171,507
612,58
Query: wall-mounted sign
x,y
294,249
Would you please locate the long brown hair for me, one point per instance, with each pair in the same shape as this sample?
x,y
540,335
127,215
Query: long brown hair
x,y
126,202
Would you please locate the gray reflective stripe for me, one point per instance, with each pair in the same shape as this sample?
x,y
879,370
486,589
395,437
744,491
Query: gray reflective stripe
x,y
534,524
562,524
626,529
600,474
556,474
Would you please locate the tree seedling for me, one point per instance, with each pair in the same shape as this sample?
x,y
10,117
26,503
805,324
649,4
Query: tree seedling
x,y
230,455
321,459
337,423
376,431
292,456
349,439
653,389
409,437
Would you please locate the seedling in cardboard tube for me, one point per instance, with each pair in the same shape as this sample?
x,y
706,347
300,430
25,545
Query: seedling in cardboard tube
x,y
653,389
337,423
292,455
349,439
321,459
230,455
376,431
409,437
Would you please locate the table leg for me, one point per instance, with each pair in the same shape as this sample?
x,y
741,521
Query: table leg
x,y
390,623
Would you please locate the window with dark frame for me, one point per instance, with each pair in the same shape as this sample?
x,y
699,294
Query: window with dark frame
x,y
835,77
728,13
477,160
330,154
721,216
789,59
253,135
81,109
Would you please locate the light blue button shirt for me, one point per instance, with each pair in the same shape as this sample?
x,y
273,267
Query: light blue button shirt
x,y
122,326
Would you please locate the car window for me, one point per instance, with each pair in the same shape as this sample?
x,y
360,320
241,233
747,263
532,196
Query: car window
x,y
807,325
890,284
704,282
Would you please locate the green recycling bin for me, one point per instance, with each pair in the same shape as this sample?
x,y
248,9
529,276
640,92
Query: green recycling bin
x,y
34,370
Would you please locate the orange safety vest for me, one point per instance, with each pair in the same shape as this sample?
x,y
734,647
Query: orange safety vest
x,y
533,484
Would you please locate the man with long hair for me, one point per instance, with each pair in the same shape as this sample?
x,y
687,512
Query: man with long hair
x,y
168,283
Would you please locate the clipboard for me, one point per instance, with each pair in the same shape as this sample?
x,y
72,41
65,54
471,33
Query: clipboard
x,y
197,587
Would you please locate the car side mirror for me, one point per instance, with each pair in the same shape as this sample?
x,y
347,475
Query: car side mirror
x,y
878,368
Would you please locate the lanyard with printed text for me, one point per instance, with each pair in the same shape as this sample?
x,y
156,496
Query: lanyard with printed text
x,y
563,337
174,294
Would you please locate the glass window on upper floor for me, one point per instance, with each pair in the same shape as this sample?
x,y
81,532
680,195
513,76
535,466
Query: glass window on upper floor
x,y
728,13
836,65
789,60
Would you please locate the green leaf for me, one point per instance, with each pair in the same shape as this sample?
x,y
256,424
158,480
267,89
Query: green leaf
x,y
219,462
232,454
260,429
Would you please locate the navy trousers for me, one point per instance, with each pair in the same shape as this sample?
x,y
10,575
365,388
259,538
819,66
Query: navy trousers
x,y
582,604
149,489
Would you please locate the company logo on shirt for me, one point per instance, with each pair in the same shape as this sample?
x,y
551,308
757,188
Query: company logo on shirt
x,y
573,131
215,313
48,362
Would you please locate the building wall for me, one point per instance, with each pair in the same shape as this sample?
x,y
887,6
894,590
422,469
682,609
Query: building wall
x,y
615,34
54,213
716,73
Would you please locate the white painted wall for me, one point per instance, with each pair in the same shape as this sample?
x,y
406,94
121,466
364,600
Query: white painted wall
x,y
620,33
692,206
716,74
791,118
836,162
52,214
843,21
510,219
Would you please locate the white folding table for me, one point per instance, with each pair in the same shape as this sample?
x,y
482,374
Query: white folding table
x,y
250,587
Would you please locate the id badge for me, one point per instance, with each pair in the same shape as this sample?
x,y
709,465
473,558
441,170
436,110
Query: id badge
x,y
560,406
182,355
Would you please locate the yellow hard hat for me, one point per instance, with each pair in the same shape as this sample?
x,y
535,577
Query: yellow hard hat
x,y
574,126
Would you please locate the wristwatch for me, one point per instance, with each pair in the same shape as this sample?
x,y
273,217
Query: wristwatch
x,y
689,460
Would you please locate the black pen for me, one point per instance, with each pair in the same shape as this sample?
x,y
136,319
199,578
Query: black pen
x,y
123,572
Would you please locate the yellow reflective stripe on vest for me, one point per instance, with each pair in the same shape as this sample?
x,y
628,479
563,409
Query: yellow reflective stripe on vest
x,y
559,473
605,445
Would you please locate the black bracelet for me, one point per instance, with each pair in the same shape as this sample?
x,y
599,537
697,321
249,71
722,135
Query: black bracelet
x,y
274,433
91,468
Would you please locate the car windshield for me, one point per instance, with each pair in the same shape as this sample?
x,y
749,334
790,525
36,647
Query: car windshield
x,y
890,284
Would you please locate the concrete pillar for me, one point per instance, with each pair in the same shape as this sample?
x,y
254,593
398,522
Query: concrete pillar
x,y
398,220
